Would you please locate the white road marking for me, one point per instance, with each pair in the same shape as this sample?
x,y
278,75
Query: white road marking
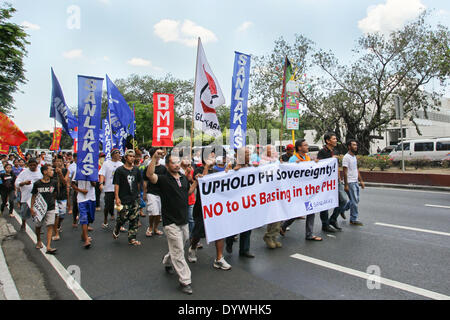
x,y
409,190
331,236
413,229
367,276
437,206
6,281
71,283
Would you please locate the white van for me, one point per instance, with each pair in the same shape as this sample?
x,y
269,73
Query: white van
x,y
434,149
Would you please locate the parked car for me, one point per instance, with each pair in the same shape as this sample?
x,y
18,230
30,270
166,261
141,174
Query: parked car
x,y
434,149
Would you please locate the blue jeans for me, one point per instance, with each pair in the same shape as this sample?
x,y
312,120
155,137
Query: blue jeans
x,y
353,194
344,204
190,219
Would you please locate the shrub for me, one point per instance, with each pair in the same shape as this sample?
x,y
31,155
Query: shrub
x,y
383,162
446,163
419,162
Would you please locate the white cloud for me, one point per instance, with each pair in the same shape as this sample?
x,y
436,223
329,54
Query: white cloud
x,y
244,26
139,62
105,1
186,33
73,54
29,25
390,16
106,58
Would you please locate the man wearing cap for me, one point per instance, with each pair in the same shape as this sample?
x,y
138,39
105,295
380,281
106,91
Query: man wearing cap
x,y
289,153
127,181
106,176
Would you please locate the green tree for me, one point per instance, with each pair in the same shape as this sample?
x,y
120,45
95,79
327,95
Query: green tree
x,y
12,51
141,88
359,98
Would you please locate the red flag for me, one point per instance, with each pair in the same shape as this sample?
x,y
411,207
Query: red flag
x,y
57,134
19,152
4,148
163,118
9,133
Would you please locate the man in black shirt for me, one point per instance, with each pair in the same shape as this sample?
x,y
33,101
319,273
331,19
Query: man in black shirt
x,y
7,188
327,152
62,192
45,188
175,190
127,181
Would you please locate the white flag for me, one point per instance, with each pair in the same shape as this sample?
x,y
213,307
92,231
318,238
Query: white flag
x,y
208,96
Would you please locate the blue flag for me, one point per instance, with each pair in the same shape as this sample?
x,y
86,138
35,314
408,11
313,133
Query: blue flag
x,y
239,99
59,110
106,139
89,122
119,139
121,114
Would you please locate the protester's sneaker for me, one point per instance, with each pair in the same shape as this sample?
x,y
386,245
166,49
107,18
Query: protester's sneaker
x,y
191,255
335,225
356,223
186,288
278,244
122,229
169,270
105,226
221,264
343,215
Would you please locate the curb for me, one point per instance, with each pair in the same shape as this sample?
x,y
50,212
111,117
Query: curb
x,y
8,289
407,186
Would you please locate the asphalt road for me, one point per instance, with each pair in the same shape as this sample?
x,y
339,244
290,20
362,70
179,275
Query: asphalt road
x,y
114,270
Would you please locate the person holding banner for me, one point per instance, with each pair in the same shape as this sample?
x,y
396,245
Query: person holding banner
x,y
25,182
242,161
174,211
300,155
199,228
270,155
45,189
325,153
127,180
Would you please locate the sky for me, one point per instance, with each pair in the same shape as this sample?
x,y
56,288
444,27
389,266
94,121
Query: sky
x,y
153,37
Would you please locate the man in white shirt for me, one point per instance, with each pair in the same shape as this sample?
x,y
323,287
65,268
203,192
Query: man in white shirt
x,y
25,182
106,176
73,194
351,177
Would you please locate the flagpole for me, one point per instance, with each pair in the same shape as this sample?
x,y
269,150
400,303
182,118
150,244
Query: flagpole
x,y
134,126
283,104
110,127
193,102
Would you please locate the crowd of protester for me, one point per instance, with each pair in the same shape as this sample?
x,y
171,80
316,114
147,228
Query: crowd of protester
x,y
162,185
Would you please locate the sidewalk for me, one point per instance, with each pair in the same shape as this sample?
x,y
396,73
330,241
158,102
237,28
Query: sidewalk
x,y
8,290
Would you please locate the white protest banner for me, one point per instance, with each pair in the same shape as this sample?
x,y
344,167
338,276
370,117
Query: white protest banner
x,y
249,198
40,207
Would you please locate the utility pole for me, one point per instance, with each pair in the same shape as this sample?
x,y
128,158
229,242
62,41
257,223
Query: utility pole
x,y
399,116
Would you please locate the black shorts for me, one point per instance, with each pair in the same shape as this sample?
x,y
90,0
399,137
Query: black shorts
x,y
109,202
199,227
